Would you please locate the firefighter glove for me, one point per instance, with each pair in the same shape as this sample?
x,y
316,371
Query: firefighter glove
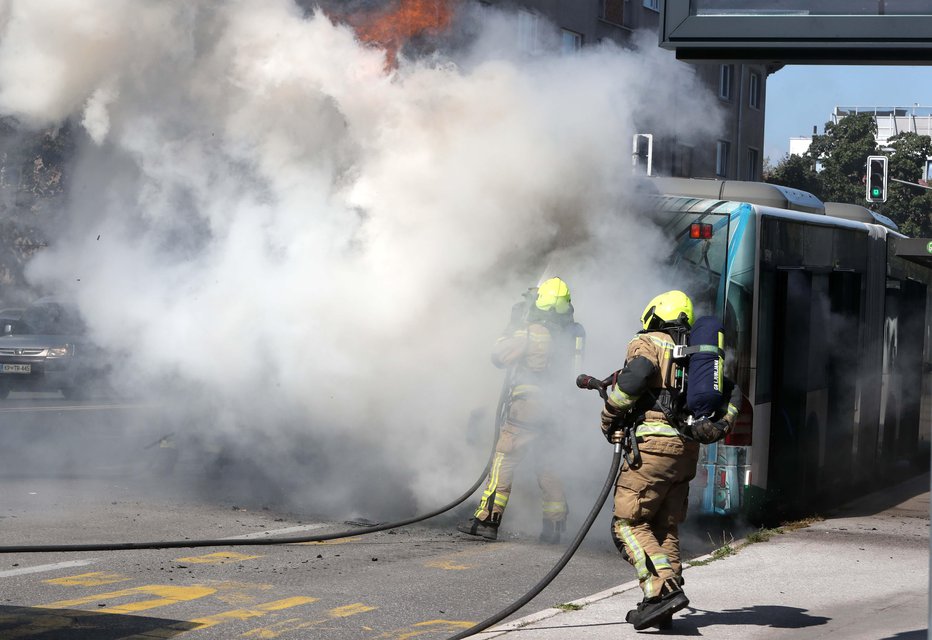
x,y
609,417
705,431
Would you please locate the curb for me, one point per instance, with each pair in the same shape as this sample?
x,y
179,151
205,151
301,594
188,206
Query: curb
x,y
550,612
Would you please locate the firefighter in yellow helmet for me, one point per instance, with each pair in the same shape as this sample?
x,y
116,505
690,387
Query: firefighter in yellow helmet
x,y
651,499
542,348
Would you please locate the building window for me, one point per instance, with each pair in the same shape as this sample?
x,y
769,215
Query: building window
x,y
726,74
682,161
721,158
753,170
571,41
529,31
653,5
614,11
754,90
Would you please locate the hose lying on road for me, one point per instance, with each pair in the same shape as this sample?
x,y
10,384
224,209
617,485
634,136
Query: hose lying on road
x,y
558,567
220,542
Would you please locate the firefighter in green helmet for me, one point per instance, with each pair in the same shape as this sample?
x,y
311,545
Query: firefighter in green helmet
x,y
542,348
651,499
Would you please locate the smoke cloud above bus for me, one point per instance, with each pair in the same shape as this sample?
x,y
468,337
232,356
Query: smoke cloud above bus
x,y
304,243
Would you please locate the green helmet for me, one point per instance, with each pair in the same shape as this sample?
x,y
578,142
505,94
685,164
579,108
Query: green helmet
x,y
554,295
668,308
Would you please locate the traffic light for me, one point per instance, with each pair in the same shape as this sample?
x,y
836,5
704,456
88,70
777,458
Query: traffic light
x,y
876,178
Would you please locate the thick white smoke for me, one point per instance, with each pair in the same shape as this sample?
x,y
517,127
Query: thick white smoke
x,y
266,218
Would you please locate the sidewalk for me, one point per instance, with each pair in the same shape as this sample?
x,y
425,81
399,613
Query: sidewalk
x,y
862,573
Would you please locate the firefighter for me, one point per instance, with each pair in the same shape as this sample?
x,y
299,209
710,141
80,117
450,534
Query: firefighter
x,y
542,348
651,499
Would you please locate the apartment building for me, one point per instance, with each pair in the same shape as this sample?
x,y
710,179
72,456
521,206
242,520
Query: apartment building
x,y
736,153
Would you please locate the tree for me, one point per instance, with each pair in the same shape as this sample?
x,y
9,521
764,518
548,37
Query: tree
x,y
32,187
797,172
842,153
842,156
910,207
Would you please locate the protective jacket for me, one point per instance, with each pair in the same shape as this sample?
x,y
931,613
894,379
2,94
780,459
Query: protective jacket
x,y
648,371
543,357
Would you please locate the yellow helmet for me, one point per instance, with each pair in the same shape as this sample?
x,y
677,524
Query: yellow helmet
x,y
554,295
668,307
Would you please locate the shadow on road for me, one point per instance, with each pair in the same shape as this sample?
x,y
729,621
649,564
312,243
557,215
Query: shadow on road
x,y
773,616
888,498
74,624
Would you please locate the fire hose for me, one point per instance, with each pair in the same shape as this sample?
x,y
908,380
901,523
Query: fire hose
x,y
220,542
583,382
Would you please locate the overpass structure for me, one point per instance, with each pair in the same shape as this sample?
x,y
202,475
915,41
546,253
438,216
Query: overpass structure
x,y
799,31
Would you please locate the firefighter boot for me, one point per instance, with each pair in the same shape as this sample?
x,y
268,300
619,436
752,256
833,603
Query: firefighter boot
x,y
665,623
487,529
551,531
656,611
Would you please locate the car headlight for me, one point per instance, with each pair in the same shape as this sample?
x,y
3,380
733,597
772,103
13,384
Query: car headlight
x,y
59,352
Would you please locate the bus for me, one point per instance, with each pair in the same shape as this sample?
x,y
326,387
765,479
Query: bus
x,y
827,311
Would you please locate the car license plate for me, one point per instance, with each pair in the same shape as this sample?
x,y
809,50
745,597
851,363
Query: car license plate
x,y
17,368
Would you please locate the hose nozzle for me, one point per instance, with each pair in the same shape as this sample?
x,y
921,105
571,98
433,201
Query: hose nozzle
x,y
584,381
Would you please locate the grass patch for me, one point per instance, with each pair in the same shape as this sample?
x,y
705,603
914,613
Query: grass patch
x,y
718,554
568,606
796,525
761,535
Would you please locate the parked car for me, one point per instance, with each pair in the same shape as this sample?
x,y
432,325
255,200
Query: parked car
x,y
46,349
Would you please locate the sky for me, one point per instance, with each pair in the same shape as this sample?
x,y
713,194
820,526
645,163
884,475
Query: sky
x,y
802,96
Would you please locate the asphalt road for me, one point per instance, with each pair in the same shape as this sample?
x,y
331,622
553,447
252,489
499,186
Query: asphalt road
x,y
104,471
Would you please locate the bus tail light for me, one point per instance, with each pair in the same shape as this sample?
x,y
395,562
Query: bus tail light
x,y
700,231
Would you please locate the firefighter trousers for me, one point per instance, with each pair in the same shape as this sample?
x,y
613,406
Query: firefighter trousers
x,y
514,444
650,503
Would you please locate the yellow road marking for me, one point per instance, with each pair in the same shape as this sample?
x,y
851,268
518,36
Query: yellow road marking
x,y
297,624
279,628
166,595
216,558
239,594
428,626
93,579
450,562
254,612
447,565
350,610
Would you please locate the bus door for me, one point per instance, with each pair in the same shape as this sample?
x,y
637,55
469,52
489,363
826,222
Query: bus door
x,y
794,441
901,387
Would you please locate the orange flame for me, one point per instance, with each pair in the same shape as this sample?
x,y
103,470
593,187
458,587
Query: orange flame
x,y
391,29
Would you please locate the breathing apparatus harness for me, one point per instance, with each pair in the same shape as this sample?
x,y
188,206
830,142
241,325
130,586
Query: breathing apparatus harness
x,y
697,356
670,401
